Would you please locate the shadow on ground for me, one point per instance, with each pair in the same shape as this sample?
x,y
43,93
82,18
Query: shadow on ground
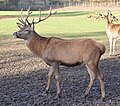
x,y
23,79
27,88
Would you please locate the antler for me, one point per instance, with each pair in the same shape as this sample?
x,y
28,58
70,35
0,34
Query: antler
x,y
28,15
22,20
49,14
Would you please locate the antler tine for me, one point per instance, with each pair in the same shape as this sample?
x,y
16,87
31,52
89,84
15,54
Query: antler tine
x,y
19,24
40,14
49,14
29,12
26,20
22,13
22,19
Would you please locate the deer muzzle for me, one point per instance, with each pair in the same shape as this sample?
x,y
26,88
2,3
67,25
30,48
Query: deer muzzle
x,y
15,34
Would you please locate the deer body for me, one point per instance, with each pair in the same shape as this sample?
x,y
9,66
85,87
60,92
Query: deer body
x,y
68,52
113,32
55,52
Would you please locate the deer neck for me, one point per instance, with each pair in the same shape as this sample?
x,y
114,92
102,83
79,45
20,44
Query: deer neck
x,y
36,44
109,23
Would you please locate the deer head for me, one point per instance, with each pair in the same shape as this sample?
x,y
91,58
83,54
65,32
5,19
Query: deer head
x,y
26,27
110,17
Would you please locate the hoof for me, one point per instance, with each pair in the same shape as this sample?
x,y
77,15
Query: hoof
x,y
102,99
111,54
84,96
57,96
45,93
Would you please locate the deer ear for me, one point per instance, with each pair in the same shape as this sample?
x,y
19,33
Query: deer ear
x,y
109,12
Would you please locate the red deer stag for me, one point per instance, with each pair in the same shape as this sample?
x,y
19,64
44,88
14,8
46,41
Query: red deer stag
x,y
55,52
113,32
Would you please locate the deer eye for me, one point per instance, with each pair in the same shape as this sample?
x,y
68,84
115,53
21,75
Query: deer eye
x,y
26,31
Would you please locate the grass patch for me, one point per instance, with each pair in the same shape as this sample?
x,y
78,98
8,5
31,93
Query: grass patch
x,y
64,24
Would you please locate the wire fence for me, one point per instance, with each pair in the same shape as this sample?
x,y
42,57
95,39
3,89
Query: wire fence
x,y
57,4
92,4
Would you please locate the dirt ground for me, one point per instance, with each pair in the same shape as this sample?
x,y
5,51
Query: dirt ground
x,y
23,78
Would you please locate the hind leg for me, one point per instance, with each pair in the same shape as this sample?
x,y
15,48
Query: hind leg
x,y
94,72
101,79
57,77
92,78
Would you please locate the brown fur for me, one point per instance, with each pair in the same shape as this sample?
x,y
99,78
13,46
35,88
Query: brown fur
x,y
113,32
64,51
55,51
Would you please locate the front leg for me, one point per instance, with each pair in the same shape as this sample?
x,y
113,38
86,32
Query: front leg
x,y
49,79
57,77
114,42
54,68
111,44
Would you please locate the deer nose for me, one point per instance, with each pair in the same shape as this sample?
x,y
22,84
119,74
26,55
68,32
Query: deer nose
x,y
15,33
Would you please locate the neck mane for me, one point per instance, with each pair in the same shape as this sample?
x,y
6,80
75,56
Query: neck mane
x,y
36,44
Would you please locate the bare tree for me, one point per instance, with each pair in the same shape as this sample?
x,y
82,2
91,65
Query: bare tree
x,y
14,2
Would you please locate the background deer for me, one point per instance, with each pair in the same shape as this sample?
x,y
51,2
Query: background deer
x,y
55,52
113,32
